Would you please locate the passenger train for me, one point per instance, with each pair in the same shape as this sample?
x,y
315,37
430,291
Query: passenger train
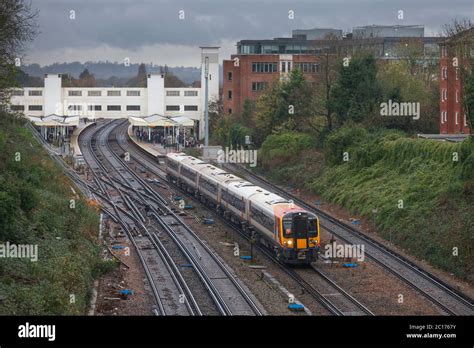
x,y
290,231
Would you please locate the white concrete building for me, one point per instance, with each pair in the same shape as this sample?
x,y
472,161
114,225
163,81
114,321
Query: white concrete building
x,y
111,102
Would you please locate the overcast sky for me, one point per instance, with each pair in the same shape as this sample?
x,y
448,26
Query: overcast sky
x,y
151,30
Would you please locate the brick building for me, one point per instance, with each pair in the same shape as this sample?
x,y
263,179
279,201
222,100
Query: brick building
x,y
455,53
261,62
245,76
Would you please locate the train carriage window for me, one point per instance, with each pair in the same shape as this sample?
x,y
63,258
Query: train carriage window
x,y
173,165
262,218
209,186
188,173
236,202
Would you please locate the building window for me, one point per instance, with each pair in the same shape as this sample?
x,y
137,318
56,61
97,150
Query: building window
x,y
456,117
94,93
465,120
75,93
35,93
229,76
172,93
445,116
457,96
35,108
444,73
229,94
17,107
18,92
263,67
113,93
133,93
74,107
190,108
95,107
230,111
442,117
133,107
457,73
444,94
258,86
283,67
190,93
114,108
308,67
444,52
172,108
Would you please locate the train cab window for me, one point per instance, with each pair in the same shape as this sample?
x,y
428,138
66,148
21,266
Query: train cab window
x,y
312,229
287,227
300,225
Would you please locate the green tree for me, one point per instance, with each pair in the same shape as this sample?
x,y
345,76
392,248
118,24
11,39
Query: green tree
x,y
398,84
284,106
357,91
140,79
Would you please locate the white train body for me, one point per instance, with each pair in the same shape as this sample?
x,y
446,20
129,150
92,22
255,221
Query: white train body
x,y
275,220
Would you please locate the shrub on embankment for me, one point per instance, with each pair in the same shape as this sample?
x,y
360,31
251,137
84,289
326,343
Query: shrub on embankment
x,y
35,209
423,195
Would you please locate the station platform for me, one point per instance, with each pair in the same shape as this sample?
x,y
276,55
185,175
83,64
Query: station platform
x,y
156,150
76,150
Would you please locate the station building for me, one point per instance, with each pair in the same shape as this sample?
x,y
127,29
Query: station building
x,y
53,101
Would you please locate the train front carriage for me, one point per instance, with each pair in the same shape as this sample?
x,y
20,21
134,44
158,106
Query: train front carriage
x,y
295,231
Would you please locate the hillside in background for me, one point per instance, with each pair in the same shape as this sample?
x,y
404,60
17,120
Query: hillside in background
x,y
111,73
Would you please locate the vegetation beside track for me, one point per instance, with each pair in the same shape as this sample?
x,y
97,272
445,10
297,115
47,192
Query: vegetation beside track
x,y
424,198
35,209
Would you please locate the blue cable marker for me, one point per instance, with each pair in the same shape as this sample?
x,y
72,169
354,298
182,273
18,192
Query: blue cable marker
x,y
351,265
246,257
296,307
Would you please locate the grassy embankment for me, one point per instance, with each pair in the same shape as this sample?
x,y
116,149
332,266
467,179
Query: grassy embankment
x,y
425,199
35,209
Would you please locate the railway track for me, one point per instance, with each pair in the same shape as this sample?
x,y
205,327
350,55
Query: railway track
x,y
165,281
334,299
163,225
444,296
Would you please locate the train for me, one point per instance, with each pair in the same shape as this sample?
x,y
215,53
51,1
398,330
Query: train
x,y
291,232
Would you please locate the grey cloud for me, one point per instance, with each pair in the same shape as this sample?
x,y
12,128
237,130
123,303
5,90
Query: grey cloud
x,y
132,24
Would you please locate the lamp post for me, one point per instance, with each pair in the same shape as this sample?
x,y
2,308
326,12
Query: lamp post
x,y
206,102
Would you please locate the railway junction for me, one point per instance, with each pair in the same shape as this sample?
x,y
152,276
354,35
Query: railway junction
x,y
192,260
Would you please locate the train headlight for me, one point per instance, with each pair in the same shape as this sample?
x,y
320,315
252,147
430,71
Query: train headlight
x,y
290,242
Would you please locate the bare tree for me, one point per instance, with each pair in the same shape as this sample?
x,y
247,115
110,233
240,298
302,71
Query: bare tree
x,y
456,26
17,27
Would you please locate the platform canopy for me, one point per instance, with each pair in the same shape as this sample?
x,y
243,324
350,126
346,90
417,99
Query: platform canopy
x,y
55,120
160,121
182,121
